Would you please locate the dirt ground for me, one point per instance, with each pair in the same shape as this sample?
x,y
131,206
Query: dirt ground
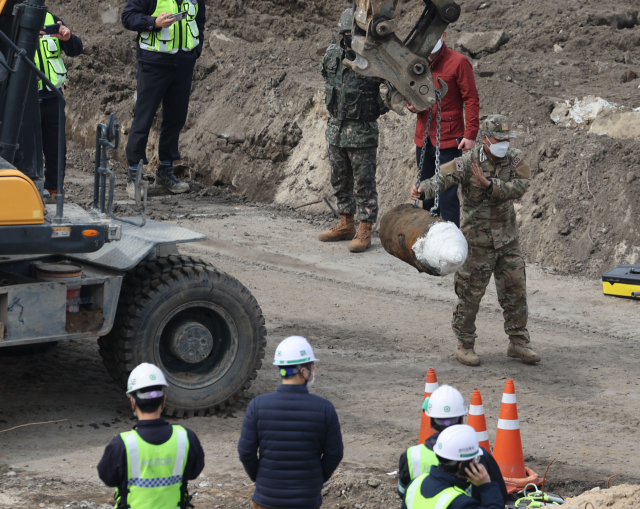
x,y
254,146
376,325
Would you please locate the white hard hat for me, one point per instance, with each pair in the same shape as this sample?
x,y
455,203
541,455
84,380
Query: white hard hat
x,y
294,350
446,401
458,443
143,376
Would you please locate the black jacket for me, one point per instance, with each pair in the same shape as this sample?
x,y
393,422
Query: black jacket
x,y
486,459
71,48
438,481
112,468
290,445
136,16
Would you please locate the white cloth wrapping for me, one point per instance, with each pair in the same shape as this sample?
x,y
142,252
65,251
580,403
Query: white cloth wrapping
x,y
443,248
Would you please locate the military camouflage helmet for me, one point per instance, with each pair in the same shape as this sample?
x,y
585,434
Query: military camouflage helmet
x,y
346,20
498,126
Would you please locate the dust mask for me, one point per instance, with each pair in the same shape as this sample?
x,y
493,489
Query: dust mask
x,y
437,46
499,149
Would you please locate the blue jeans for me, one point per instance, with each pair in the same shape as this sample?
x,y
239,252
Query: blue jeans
x,y
449,206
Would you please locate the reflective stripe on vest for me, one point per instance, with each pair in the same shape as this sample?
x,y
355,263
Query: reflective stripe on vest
x,y
415,500
48,58
420,459
155,472
181,35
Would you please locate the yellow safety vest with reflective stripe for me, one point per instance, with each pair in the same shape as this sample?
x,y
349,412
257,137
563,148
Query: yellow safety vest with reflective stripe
x,y
415,500
49,57
420,460
154,472
181,35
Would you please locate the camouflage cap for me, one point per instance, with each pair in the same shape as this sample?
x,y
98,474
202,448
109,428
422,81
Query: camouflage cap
x,y
346,20
498,126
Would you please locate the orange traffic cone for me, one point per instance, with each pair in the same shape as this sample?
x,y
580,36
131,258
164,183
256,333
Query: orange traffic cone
x,y
425,424
507,449
477,421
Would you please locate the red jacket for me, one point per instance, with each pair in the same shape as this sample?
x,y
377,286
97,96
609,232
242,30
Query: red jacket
x,y
454,69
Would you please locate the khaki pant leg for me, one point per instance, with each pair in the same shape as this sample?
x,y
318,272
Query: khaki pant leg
x,y
470,284
511,285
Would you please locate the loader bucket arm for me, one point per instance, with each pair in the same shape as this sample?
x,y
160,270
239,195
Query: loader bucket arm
x,y
401,63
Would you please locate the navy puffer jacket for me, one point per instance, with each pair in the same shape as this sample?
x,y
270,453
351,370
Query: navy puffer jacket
x,y
290,445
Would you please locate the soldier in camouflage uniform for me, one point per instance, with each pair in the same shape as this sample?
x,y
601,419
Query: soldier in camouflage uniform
x,y
490,176
354,105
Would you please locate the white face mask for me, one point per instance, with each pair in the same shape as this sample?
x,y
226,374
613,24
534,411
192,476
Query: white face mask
x,y
499,149
437,46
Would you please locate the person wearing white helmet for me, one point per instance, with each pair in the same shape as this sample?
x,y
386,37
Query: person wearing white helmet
x,y
291,441
445,408
445,486
150,465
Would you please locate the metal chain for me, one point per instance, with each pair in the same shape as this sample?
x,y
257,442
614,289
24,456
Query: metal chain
x,y
436,200
424,151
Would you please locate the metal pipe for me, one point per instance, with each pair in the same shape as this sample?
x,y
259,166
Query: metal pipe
x,y
31,23
96,175
61,160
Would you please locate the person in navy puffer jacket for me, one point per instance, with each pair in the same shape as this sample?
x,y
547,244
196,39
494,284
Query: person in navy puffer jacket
x,y
291,441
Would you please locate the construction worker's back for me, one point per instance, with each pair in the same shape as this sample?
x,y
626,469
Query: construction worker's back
x,y
150,465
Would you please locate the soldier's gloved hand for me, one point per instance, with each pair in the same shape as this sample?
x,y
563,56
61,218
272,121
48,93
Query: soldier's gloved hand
x,y
478,179
416,194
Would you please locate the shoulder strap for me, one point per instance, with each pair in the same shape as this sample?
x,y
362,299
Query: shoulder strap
x,y
411,491
413,461
133,454
179,464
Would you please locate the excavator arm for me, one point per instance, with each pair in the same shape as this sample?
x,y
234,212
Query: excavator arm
x,y
401,63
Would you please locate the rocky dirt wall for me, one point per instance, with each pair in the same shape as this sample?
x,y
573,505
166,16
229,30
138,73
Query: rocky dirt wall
x,y
257,114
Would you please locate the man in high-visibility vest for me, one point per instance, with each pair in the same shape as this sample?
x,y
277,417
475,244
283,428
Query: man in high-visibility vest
x,y
445,408
444,487
48,58
149,466
170,36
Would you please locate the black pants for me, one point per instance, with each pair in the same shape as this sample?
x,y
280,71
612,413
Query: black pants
x,y
172,87
49,122
449,206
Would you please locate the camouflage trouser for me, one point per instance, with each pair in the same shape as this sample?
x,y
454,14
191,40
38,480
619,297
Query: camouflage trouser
x,y
353,177
507,266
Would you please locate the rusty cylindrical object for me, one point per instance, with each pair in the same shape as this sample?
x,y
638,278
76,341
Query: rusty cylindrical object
x,y
401,227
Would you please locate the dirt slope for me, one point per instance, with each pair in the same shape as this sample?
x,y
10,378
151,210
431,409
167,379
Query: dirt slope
x,y
257,113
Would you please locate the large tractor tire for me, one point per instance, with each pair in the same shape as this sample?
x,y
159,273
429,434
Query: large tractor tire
x,y
202,327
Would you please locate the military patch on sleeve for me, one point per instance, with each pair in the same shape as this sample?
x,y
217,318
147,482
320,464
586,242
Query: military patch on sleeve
x,y
460,166
516,161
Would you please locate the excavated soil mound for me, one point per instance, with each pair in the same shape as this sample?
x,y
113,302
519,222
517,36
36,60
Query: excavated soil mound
x,y
618,497
257,112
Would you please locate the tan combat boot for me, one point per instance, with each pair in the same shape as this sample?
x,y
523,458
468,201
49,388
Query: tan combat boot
x,y
467,355
523,352
344,230
362,240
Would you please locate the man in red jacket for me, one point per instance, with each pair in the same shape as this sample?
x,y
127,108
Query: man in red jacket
x,y
460,122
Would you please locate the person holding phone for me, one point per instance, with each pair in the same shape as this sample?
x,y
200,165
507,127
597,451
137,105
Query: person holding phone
x,y
170,36
55,38
458,455
445,408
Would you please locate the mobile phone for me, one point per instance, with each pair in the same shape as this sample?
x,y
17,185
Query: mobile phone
x,y
467,464
51,29
178,16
